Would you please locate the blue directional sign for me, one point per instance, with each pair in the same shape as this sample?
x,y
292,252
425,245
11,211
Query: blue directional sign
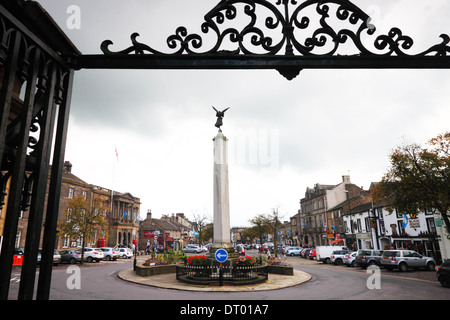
x,y
221,255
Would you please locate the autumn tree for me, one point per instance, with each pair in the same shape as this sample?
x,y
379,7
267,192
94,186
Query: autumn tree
x,y
267,223
418,179
84,219
259,227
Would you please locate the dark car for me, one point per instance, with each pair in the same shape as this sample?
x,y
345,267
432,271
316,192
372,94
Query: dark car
x,y
368,257
70,256
443,274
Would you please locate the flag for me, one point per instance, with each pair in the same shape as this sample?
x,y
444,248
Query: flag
x,y
124,214
117,154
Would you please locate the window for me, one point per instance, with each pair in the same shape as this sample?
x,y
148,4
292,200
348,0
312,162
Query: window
x,y
66,241
71,193
68,214
367,223
401,230
431,225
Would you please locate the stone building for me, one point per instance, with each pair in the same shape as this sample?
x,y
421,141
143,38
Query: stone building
x,y
122,215
314,206
161,233
122,229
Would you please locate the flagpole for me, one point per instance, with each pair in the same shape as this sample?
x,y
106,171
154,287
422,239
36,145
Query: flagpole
x,y
113,176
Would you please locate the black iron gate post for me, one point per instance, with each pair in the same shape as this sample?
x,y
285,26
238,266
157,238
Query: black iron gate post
x,y
26,134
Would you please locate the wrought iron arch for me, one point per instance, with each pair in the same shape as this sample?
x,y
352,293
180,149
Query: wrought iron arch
x,y
295,48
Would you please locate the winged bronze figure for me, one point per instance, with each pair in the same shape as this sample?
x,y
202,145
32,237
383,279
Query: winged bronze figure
x,y
220,115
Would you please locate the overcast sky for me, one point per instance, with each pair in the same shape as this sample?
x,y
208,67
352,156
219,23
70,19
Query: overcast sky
x,y
284,135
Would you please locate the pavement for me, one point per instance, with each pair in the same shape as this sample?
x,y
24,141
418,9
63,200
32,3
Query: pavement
x,y
169,281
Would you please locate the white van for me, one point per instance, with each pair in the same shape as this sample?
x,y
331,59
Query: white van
x,y
323,253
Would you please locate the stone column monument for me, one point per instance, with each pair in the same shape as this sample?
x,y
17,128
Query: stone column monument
x,y
221,238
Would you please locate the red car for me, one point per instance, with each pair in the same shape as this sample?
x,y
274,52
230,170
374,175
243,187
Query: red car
x,y
312,254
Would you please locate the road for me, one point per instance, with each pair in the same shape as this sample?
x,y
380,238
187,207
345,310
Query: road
x,y
99,281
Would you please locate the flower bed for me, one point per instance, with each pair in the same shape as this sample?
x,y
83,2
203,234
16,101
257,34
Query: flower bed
x,y
245,261
197,260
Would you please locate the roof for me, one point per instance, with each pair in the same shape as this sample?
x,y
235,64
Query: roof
x,y
39,21
360,208
158,224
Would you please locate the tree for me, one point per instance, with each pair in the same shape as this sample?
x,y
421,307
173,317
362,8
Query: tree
x,y
199,223
274,220
259,227
268,223
418,179
83,220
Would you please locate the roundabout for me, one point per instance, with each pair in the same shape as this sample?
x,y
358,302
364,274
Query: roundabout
x,y
169,281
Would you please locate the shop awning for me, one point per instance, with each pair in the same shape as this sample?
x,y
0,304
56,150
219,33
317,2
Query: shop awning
x,y
336,241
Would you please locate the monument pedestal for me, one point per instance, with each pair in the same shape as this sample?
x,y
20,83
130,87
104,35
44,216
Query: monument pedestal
x,y
222,237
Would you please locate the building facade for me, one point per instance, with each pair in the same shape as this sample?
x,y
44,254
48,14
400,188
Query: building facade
x,y
314,206
161,234
121,217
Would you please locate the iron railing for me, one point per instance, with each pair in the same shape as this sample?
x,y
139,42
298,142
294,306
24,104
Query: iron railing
x,y
215,275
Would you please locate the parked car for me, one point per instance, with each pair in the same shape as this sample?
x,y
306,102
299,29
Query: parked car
x,y
337,257
92,254
56,257
239,249
293,251
349,259
304,253
192,248
267,246
18,256
404,259
368,257
110,253
125,253
312,255
70,256
443,274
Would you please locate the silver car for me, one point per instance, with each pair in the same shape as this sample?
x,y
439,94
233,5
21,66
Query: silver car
x,y
349,259
193,248
404,259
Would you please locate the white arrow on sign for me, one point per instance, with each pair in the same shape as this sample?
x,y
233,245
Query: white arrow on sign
x,y
221,255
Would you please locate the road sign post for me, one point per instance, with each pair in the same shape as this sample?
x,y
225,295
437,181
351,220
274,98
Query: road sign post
x,y
221,256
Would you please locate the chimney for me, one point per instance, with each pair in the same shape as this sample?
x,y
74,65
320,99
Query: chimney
x,y
346,179
149,214
67,166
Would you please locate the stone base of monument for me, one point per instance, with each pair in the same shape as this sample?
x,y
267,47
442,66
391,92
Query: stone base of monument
x,y
226,274
228,247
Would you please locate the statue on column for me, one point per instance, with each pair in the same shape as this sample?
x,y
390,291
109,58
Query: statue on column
x,y
220,115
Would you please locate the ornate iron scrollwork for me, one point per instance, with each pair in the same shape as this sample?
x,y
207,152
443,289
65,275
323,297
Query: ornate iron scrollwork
x,y
289,16
285,32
